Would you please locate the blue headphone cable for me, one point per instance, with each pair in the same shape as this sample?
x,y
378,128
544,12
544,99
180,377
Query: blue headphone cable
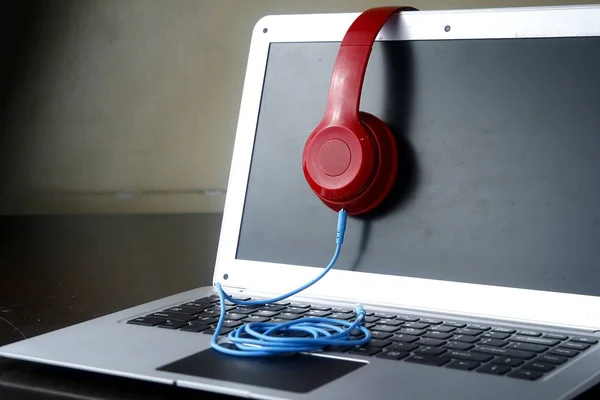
x,y
262,339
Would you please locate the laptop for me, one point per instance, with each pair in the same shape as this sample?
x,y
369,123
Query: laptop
x,y
478,270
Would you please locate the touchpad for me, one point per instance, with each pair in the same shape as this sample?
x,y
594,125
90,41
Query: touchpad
x,y
299,373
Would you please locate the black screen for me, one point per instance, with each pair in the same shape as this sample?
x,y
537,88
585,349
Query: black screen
x,y
499,179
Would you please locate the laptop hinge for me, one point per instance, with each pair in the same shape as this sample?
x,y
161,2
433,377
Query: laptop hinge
x,y
232,289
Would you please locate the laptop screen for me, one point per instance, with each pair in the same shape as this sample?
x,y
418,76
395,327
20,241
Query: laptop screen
x,y
499,179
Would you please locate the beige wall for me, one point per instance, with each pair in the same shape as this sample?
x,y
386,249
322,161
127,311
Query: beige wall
x,y
110,96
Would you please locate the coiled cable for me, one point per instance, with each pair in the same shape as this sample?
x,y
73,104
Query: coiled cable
x,y
261,339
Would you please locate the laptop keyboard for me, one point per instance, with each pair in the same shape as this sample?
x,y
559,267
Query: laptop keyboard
x,y
488,349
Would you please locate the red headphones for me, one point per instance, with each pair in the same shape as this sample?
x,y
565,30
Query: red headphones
x,y
350,160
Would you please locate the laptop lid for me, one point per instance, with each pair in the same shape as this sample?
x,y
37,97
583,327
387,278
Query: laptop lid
x,y
497,207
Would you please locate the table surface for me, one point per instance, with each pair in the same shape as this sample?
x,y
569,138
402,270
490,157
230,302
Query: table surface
x,y
62,270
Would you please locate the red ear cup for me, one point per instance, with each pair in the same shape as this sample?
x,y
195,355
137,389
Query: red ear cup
x,y
352,169
350,160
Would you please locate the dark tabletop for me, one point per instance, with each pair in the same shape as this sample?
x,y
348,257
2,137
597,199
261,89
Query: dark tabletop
x,y
60,270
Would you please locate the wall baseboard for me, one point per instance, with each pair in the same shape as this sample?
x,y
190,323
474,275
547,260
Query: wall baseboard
x,y
112,203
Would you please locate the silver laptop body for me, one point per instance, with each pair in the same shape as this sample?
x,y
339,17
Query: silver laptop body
x,y
110,345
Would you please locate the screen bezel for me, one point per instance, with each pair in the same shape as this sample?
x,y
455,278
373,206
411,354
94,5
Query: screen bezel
x,y
378,289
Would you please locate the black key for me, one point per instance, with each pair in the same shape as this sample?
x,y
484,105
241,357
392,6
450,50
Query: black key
x,y
185,310
278,321
428,360
392,355
265,313
338,310
369,326
283,303
495,335
289,316
504,330
479,327
406,318
371,319
297,310
240,297
465,338
218,308
206,320
232,324
502,351
511,362
415,325
493,342
322,308
539,366
344,317
530,333
147,321
556,336
575,346
525,374
403,347
379,343
430,351
455,324
458,346
299,305
466,355
318,314
432,342
385,328
384,315
560,351
549,358
437,335
584,339
380,335
195,328
536,348
442,328
245,310
534,340
172,324
464,365
255,318
411,331
494,369
195,304
209,299
431,321
211,331
468,332
274,307
173,316
365,351
404,338
391,322
235,316
209,314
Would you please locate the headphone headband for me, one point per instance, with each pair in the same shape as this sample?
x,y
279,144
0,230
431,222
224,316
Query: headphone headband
x,y
350,159
351,64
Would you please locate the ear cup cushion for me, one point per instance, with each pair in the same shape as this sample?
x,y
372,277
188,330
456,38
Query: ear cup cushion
x,y
387,166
